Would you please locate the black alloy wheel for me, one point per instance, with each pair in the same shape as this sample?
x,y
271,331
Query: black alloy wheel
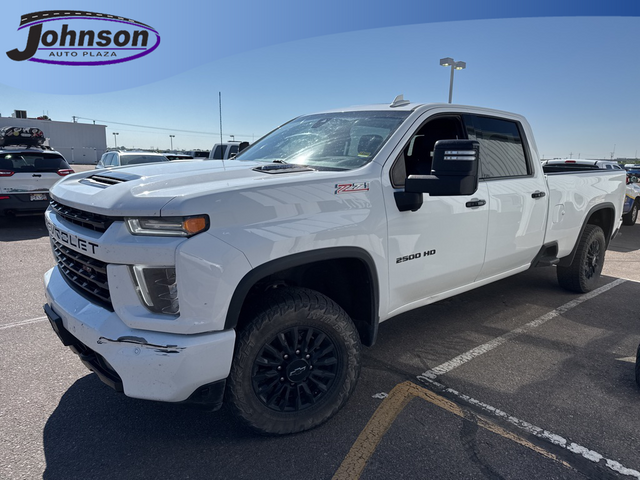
x,y
295,369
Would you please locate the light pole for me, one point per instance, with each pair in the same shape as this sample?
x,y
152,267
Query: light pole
x,y
171,138
115,142
450,62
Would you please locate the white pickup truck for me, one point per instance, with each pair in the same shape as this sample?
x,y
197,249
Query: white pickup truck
x,y
258,279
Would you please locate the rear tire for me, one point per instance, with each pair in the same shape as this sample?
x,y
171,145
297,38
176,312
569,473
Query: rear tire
x,y
583,273
631,216
295,364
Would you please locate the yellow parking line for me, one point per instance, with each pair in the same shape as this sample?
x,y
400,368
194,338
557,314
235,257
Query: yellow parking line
x,y
365,445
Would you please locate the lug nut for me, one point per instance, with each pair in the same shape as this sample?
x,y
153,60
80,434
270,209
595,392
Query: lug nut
x,y
310,367
279,368
307,356
286,357
293,384
282,379
297,352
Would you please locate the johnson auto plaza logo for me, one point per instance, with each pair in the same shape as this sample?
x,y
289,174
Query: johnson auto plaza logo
x,y
68,37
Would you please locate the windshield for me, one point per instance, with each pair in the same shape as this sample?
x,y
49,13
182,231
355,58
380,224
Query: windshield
x,y
32,162
331,141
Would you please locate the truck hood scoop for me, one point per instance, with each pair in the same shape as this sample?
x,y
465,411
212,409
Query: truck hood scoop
x,y
111,178
282,168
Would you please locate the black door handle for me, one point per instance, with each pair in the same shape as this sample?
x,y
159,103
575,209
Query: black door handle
x,y
538,194
475,203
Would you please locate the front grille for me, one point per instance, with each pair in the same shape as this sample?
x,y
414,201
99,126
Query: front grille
x,y
84,274
92,221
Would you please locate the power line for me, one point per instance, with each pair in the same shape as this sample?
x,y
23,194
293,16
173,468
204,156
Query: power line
x,y
158,128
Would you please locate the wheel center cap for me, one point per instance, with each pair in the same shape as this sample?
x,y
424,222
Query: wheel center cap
x,y
298,371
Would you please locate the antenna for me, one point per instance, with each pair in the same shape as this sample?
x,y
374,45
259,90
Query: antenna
x,y
220,105
399,101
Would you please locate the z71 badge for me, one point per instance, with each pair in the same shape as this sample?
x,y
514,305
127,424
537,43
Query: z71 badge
x,y
351,187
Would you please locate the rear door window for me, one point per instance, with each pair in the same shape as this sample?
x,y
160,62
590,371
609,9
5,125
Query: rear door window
x,y
218,152
502,152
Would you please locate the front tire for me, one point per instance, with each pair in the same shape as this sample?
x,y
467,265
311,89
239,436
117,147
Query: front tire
x,y
583,273
631,216
295,364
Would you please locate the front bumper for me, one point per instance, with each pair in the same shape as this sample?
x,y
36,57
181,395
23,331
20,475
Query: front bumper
x,y
143,364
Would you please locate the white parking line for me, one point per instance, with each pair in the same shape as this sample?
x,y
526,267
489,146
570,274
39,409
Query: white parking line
x,y
23,322
538,432
433,373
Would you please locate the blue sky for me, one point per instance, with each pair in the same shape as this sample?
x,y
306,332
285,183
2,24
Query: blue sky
x,y
575,78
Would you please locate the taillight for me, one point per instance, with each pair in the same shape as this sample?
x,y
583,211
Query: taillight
x,y
6,173
4,197
569,161
65,171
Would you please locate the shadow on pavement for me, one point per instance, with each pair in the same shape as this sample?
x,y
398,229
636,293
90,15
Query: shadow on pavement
x,y
13,229
96,433
627,240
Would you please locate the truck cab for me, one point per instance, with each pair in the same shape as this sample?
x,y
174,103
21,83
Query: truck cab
x,y
226,150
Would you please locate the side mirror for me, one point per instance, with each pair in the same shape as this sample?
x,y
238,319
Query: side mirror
x,y
454,170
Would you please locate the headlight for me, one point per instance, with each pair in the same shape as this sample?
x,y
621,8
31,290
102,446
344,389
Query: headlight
x,y
157,288
168,226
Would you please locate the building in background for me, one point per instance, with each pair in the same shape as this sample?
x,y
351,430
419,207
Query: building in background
x,y
82,143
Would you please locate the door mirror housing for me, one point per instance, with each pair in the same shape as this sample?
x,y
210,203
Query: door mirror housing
x,y
454,170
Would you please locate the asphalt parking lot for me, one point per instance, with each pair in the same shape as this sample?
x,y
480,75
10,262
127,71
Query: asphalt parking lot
x,y
518,379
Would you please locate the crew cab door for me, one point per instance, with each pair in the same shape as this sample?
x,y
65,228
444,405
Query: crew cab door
x,y
440,246
517,194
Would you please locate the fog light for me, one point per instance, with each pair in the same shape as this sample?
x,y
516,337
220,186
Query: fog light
x,y
157,288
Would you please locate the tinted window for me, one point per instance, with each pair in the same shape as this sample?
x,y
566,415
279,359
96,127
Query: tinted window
x,y
501,149
217,154
33,162
233,150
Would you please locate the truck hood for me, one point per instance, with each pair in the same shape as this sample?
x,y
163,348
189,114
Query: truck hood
x,y
143,190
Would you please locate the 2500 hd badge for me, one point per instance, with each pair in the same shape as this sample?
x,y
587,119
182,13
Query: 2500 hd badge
x,y
71,240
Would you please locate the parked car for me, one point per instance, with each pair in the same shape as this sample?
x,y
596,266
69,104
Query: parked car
x,y
633,170
631,201
178,156
118,158
28,169
199,154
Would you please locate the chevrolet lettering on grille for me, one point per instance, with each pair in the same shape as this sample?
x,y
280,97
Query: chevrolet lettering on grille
x,y
72,240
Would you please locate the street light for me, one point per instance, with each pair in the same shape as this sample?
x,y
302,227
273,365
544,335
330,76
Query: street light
x,y
115,142
450,62
171,138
